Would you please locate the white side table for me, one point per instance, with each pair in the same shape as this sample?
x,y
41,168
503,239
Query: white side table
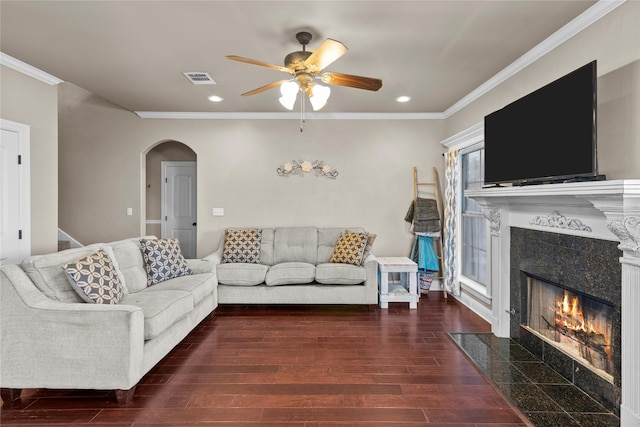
x,y
404,291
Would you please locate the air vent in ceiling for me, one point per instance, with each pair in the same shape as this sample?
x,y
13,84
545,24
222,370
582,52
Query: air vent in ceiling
x,y
199,78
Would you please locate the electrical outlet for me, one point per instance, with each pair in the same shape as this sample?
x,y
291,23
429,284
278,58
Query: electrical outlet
x,y
129,211
218,212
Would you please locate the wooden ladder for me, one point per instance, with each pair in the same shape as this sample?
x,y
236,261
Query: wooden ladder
x,y
438,197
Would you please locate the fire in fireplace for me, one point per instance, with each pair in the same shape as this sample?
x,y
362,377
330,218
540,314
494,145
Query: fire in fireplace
x,y
576,323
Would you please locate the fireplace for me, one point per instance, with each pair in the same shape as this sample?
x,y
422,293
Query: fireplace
x,y
546,267
584,236
577,324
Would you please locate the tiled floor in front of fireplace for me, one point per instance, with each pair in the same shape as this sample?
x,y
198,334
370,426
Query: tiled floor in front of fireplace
x,y
542,394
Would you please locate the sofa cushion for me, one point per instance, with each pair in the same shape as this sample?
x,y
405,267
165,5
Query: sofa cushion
x,y
349,248
199,285
95,278
295,244
327,239
128,253
266,246
242,246
160,308
340,274
163,259
241,274
45,271
290,273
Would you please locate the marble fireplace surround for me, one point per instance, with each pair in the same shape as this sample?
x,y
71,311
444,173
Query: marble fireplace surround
x,y
606,210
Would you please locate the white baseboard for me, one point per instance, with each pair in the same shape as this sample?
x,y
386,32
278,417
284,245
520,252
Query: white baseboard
x,y
475,305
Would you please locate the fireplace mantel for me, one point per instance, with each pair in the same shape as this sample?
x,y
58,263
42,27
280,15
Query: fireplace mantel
x,y
608,210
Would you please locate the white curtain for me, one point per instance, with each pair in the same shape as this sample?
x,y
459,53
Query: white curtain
x,y
452,176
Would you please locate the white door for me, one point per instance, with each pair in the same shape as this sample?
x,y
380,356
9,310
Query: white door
x,y
15,239
179,205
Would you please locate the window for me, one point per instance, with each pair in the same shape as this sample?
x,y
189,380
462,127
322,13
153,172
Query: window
x,y
474,225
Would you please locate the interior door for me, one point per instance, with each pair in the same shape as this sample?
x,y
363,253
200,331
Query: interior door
x,y
179,205
15,242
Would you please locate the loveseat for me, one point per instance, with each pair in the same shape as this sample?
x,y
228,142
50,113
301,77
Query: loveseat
x,y
52,338
291,265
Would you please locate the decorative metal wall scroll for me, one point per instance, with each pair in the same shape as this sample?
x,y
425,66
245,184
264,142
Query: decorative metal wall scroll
x,y
300,167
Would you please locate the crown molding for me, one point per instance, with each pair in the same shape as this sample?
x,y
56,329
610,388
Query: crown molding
x,y
29,70
579,23
466,138
285,116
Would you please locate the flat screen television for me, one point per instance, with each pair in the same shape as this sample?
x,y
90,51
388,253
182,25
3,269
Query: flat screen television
x,y
546,136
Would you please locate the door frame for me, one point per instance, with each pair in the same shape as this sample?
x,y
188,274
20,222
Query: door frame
x,y
24,180
163,193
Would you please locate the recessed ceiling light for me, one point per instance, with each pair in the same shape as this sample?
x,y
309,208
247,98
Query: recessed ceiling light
x,y
403,98
215,98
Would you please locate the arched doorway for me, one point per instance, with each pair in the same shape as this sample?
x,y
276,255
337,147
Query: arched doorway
x,y
170,194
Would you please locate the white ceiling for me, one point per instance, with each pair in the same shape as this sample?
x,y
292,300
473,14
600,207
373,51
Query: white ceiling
x,y
133,53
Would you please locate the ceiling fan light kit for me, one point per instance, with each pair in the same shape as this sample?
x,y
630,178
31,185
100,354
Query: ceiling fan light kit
x,y
319,95
305,67
289,92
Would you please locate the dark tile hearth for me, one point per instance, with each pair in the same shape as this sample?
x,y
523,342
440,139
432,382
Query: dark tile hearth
x,y
541,393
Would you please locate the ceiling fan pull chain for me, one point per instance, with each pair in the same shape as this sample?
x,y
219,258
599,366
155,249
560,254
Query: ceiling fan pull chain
x,y
301,113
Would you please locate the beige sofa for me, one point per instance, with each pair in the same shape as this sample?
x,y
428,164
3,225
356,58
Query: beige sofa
x,y
294,268
51,338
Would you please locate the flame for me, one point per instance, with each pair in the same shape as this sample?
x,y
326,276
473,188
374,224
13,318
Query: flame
x,y
569,314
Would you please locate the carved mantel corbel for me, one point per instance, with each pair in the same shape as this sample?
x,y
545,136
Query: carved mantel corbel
x,y
493,215
627,229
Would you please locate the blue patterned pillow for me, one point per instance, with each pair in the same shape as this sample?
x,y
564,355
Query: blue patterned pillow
x,y
163,259
95,278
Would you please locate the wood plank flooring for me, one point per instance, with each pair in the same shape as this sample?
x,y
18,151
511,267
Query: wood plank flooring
x,y
299,366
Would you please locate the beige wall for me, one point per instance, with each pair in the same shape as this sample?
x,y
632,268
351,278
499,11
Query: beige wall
x,y
102,152
28,101
103,148
614,41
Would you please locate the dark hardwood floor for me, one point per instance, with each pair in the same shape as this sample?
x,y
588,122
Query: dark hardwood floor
x,y
299,366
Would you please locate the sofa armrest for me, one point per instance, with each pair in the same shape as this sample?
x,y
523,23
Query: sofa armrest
x,y
370,264
51,344
215,258
200,266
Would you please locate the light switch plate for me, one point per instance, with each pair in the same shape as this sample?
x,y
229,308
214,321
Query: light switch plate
x,y
218,212
129,211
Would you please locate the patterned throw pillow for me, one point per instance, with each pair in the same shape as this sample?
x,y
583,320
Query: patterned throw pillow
x,y
242,245
163,260
95,279
367,248
349,248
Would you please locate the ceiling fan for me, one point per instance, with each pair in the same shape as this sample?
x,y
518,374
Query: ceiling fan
x,y
306,67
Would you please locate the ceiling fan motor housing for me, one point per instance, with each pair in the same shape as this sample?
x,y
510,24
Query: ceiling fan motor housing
x,y
295,60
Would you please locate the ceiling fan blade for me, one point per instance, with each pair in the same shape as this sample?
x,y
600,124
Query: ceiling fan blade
x,y
358,82
328,51
259,63
265,87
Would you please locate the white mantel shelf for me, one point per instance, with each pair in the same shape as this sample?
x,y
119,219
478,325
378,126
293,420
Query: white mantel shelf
x,y
583,188
597,209
609,209
626,187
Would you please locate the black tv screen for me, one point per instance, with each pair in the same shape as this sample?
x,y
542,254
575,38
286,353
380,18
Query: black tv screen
x,y
546,136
